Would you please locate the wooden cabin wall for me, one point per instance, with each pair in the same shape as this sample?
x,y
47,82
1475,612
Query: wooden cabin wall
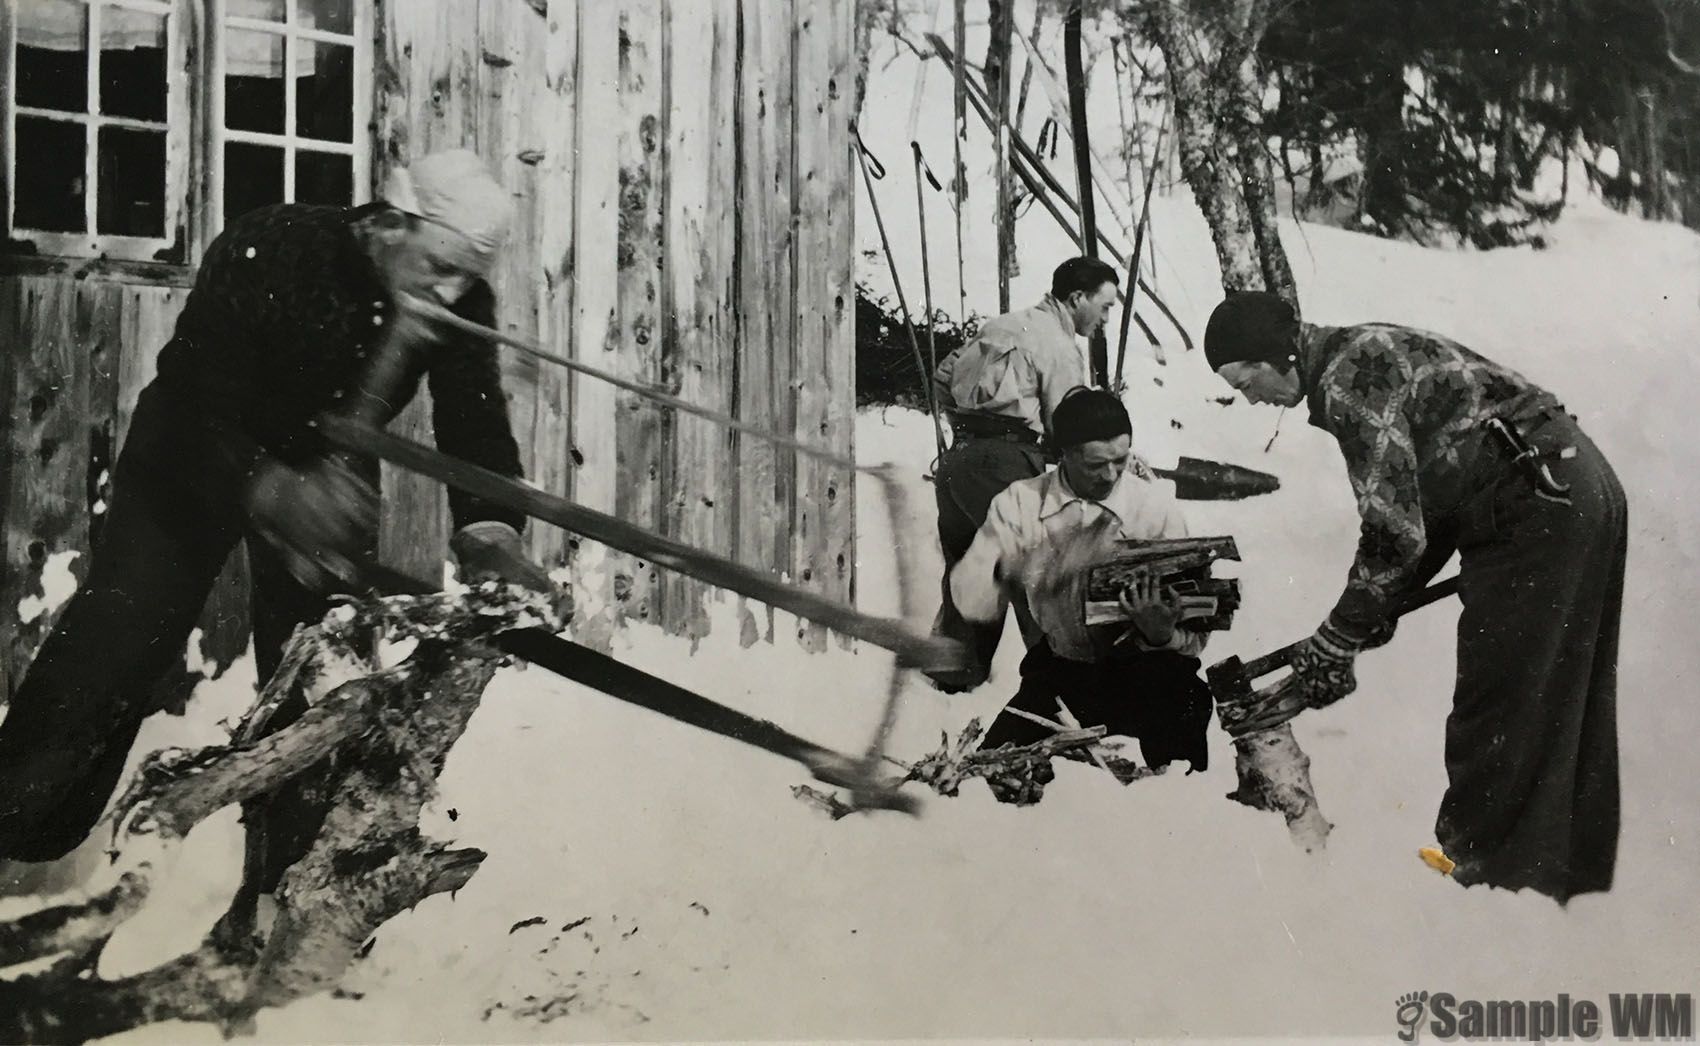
x,y
682,175
74,356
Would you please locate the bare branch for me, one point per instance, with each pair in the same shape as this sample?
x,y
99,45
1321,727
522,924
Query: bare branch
x,y
368,863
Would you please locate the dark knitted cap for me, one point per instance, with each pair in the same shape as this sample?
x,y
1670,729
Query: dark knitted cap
x,y
1252,327
1085,415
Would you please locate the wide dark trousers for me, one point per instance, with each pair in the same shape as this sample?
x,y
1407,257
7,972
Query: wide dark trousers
x,y
1531,743
74,718
969,475
1156,697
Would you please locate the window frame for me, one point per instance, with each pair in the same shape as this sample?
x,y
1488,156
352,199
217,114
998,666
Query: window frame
x,y
179,130
361,39
194,130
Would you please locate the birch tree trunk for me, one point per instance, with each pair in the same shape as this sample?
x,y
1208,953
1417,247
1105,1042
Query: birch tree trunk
x,y
1210,49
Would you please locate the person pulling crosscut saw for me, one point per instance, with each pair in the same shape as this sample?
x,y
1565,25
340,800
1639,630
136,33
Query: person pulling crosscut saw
x,y
298,314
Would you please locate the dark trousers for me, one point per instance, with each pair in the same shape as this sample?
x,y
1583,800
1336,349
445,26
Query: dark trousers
x,y
1156,697
1531,743
969,475
74,718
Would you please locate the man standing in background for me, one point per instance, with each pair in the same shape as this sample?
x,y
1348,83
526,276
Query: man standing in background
x,y
998,392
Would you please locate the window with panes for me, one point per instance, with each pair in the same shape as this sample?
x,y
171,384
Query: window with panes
x,y
107,101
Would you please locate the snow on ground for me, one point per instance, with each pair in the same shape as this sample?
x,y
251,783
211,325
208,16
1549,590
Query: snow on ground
x,y
57,584
685,894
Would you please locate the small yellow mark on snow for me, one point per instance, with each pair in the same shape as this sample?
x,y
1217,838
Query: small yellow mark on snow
x,y
1433,857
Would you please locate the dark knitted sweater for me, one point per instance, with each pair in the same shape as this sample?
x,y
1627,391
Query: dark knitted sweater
x,y
1407,408
286,308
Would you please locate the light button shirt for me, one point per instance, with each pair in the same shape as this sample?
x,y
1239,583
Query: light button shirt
x,y
1033,513
1020,365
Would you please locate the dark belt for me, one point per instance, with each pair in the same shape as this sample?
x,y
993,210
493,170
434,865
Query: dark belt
x,y
983,426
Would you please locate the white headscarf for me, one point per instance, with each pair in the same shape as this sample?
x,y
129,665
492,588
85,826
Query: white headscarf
x,y
452,188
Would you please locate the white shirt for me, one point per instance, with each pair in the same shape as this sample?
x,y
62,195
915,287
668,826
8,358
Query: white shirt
x,y
1020,365
1035,513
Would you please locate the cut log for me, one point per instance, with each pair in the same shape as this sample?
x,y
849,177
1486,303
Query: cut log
x,y
368,863
1274,774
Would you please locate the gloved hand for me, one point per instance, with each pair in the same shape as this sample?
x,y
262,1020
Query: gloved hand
x,y
1322,669
491,549
320,517
1381,633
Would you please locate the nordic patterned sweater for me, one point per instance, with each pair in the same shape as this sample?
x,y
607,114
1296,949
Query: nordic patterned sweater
x,y
286,308
1407,408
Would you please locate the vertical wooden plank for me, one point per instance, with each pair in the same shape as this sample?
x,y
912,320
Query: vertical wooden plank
x,y
822,557
510,45
551,131
687,44
45,466
812,71
718,278
200,86
595,295
765,264
428,99
407,538
641,427
841,298
700,256
150,317
136,364
100,331
596,229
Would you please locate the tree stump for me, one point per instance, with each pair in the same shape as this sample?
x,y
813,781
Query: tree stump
x,y
368,863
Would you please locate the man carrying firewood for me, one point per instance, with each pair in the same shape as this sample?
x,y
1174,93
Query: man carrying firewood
x,y
1448,451
297,311
999,392
1138,678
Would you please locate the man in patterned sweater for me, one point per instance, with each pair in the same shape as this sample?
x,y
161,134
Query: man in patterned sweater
x,y
295,313
1427,429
